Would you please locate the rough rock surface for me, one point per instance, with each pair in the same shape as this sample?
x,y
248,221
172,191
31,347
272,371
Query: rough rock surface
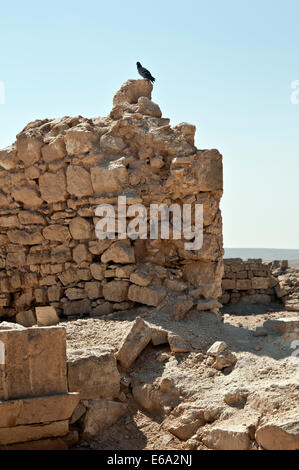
x,y
51,182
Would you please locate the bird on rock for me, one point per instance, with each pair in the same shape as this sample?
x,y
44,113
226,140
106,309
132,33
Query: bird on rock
x,y
144,73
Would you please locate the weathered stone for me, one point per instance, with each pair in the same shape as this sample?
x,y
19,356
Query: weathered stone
x,y
29,368
98,271
28,195
26,318
103,309
135,341
109,179
81,254
178,344
23,237
243,284
32,432
146,295
8,157
119,252
54,293
93,373
260,282
279,433
225,436
228,284
131,91
79,307
29,149
93,290
141,278
52,186
180,308
283,326
46,316
80,141
78,181
80,229
54,150
56,232
37,409
112,144
101,414
116,291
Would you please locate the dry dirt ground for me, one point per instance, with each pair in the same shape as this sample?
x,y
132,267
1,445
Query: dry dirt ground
x,y
265,373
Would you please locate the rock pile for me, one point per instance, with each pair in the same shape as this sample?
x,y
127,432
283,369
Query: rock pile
x,y
287,288
56,174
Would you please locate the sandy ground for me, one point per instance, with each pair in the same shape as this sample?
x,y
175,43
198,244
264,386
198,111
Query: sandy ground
x,y
264,369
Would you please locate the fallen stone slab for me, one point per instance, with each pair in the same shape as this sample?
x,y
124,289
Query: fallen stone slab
x,y
227,436
37,410
185,421
281,433
93,374
33,432
136,340
281,326
101,414
222,355
146,295
46,316
178,344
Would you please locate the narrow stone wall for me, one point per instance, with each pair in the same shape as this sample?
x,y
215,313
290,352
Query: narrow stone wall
x,y
251,281
58,172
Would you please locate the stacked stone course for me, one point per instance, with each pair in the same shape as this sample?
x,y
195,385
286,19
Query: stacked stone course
x,y
56,174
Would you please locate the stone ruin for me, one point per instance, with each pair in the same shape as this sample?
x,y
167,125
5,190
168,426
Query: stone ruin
x,y
35,405
251,281
56,174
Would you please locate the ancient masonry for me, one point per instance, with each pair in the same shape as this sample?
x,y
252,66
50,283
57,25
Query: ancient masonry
x,y
251,281
35,405
58,172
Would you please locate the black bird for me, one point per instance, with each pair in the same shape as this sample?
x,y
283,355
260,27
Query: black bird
x,y
144,73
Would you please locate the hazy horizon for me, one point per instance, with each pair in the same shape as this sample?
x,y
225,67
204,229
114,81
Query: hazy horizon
x,y
227,67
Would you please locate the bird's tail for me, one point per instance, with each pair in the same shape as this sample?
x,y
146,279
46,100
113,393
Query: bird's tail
x,y
152,79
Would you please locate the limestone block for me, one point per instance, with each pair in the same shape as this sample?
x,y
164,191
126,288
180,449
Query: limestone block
x,y
119,252
134,342
146,295
37,409
52,186
46,316
93,373
33,432
78,181
101,414
116,291
35,362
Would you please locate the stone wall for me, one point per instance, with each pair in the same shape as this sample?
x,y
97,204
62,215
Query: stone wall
x,y
251,281
35,405
56,174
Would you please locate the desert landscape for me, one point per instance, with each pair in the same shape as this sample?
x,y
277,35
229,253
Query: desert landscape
x,y
135,343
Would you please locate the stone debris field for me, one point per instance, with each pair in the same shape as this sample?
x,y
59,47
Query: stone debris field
x,y
135,343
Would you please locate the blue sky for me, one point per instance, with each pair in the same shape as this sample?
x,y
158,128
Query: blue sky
x,y
226,67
